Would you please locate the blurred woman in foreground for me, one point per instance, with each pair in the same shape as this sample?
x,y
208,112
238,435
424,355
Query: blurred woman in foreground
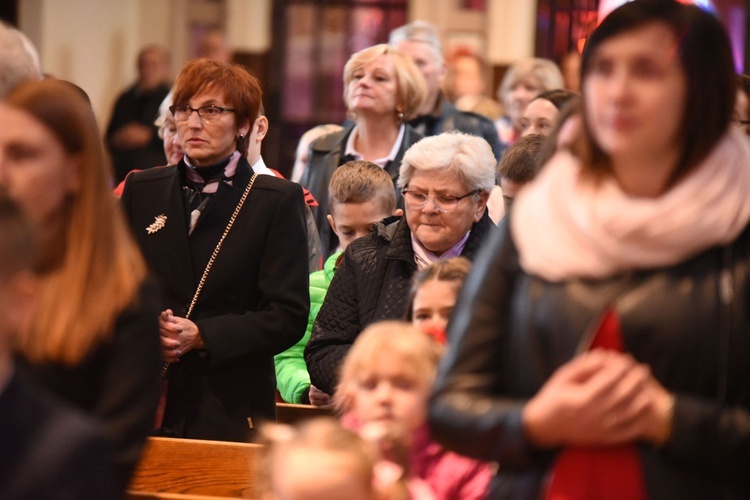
x,y
93,339
601,347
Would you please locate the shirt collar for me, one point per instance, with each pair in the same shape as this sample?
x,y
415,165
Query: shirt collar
x,y
381,162
260,168
424,257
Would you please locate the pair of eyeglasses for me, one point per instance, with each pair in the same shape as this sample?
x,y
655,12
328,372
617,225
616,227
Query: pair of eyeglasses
x,y
444,202
210,113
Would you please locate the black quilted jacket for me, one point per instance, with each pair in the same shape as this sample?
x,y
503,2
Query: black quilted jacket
x,y
372,284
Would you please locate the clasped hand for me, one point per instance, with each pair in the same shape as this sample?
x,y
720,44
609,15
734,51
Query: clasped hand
x,y
178,336
599,398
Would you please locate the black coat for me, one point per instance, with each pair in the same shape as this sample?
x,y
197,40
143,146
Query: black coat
x,y
254,303
371,284
142,107
117,382
325,156
48,450
510,331
452,118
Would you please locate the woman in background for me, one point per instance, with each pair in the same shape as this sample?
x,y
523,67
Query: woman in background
x,y
93,338
601,346
524,80
384,89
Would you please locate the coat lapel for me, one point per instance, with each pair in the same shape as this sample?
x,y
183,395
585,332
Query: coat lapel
x,y
213,221
166,249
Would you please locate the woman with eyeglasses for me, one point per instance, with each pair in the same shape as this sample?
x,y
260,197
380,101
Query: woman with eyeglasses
x,y
230,248
445,181
601,342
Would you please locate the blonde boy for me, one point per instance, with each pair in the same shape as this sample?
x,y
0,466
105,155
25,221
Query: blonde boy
x,y
360,194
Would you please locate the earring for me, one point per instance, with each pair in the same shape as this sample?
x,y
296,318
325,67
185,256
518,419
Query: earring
x,y
239,139
400,116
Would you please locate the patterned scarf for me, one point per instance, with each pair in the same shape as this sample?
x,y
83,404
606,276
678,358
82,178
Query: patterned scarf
x,y
203,182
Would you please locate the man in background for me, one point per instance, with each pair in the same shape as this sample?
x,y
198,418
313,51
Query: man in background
x,y
131,136
419,40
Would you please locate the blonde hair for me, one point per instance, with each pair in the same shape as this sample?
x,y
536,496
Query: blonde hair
x,y
412,89
319,436
418,352
360,181
97,268
544,70
317,132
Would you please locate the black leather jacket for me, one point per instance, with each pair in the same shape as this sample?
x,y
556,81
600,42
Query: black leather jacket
x,y
372,284
510,331
452,118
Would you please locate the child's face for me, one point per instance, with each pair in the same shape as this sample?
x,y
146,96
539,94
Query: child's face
x,y
433,304
354,220
387,392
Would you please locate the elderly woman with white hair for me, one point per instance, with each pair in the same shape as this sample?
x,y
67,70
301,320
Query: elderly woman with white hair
x,y
445,181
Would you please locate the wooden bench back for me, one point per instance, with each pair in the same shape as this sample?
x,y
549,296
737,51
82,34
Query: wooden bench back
x,y
287,413
196,467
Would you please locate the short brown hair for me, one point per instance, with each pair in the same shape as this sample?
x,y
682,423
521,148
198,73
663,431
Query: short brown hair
x,y
453,270
412,89
361,181
520,163
241,90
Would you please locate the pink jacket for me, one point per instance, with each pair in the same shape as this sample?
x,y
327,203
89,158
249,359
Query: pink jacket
x,y
450,475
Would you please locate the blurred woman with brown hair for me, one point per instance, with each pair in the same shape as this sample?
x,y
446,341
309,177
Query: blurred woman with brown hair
x,y
93,339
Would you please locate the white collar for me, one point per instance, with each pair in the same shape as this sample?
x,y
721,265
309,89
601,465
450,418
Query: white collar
x,y
260,167
381,162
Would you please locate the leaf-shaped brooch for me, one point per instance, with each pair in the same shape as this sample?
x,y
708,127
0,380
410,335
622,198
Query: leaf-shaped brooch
x,y
158,224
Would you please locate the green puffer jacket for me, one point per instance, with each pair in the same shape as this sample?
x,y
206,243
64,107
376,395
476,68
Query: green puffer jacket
x,y
292,379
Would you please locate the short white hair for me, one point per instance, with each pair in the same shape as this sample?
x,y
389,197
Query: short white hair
x,y
468,156
161,120
19,59
417,31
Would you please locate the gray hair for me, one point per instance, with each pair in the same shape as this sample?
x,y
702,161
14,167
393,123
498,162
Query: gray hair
x,y
19,60
468,156
161,120
417,31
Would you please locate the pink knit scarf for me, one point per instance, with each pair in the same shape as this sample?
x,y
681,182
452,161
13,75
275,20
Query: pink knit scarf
x,y
567,227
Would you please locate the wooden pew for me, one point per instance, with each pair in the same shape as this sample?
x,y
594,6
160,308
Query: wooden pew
x,y
138,495
287,413
190,469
